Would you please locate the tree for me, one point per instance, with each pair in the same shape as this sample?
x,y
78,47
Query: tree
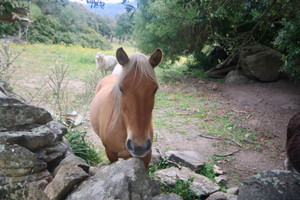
x,y
124,27
184,27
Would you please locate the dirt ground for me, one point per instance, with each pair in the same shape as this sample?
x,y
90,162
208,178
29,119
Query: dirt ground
x,y
268,107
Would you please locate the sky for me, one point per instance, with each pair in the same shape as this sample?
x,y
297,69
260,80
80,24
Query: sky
x,y
106,1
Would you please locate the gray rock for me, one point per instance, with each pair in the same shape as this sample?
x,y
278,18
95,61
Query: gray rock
x,y
67,175
275,185
201,185
222,180
18,161
236,77
72,161
261,62
291,106
15,114
191,159
124,180
22,174
35,137
170,196
222,196
57,150
233,190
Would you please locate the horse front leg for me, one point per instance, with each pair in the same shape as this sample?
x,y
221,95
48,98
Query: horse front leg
x,y
112,156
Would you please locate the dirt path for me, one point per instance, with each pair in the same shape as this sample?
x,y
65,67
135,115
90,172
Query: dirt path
x,y
267,108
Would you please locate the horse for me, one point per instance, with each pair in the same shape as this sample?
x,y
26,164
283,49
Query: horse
x,y
104,63
292,162
121,111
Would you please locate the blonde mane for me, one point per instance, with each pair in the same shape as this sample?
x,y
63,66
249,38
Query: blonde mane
x,y
137,62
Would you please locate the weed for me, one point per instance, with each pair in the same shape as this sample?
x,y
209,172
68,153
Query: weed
x,y
182,188
208,171
162,164
82,148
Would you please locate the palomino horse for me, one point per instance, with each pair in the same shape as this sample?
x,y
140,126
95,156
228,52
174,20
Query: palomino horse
x,y
121,112
292,161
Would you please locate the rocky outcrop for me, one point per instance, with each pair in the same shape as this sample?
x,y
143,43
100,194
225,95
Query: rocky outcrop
x,y
122,180
31,146
261,63
275,185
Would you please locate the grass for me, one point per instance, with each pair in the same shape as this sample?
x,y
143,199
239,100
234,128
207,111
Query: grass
x,y
82,148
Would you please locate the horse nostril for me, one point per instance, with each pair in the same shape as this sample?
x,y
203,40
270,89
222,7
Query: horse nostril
x,y
148,145
129,145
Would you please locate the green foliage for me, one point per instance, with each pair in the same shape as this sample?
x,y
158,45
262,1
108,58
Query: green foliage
x,y
182,188
82,148
208,171
288,41
124,27
56,22
185,27
163,164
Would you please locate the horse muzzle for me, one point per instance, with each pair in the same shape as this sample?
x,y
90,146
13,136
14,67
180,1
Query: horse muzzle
x,y
137,150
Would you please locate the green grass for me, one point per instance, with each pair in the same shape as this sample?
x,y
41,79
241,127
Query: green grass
x,y
82,148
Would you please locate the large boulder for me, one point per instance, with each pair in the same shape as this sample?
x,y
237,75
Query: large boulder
x,y
261,62
275,185
124,180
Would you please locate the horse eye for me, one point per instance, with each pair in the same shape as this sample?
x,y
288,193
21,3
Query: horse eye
x,y
154,92
122,91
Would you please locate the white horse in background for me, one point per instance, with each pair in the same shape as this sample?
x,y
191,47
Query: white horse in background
x,y
105,63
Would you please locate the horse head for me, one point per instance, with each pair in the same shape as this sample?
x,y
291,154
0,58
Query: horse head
x,y
136,90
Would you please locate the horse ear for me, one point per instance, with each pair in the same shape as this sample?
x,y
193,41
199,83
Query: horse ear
x,y
122,57
156,57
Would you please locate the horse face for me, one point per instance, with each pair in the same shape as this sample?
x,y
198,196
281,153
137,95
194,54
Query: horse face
x,y
137,105
137,100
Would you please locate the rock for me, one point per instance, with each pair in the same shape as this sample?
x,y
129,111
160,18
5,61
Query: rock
x,y
261,62
22,174
291,106
126,179
171,196
221,180
95,169
31,144
155,158
233,190
236,77
30,139
72,161
274,184
69,173
218,170
15,114
191,159
222,196
201,185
